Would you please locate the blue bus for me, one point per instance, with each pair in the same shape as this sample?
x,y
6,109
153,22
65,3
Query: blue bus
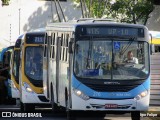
x,y
5,82
97,65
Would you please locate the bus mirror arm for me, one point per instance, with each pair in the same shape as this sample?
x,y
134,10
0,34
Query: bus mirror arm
x,y
71,45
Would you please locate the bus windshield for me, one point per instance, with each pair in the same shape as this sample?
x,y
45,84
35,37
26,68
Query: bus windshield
x,y
16,60
33,63
111,59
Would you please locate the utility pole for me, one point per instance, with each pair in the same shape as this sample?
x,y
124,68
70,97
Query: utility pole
x,y
10,32
19,21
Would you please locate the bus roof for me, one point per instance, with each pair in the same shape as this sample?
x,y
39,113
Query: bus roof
x,y
3,51
71,25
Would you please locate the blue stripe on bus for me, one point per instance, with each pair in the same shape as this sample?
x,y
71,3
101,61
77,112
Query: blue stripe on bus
x,y
92,93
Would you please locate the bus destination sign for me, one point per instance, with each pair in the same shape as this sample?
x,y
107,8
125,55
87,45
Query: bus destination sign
x,y
34,39
112,31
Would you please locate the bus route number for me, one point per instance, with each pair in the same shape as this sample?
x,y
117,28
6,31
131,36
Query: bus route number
x,y
93,31
39,39
118,32
96,94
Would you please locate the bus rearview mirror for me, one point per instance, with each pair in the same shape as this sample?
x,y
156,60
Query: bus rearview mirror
x,y
71,45
152,47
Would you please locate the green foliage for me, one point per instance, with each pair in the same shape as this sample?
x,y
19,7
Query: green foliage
x,y
5,2
94,8
130,11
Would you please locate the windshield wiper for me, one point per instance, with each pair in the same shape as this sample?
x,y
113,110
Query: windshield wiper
x,y
127,46
89,52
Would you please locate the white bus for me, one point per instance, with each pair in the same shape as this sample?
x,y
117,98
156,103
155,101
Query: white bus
x,y
30,71
85,66
15,61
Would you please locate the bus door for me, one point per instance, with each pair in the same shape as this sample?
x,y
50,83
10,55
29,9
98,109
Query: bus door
x,y
48,64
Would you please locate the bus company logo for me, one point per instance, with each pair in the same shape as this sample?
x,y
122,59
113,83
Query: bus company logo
x,y
111,83
22,115
6,114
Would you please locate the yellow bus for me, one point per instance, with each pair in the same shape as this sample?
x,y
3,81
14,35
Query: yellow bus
x,y
155,37
15,68
155,41
31,73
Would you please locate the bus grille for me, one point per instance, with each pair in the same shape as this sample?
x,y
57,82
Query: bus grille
x,y
111,88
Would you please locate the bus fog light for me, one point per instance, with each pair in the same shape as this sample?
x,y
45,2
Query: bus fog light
x,y
27,87
80,94
141,95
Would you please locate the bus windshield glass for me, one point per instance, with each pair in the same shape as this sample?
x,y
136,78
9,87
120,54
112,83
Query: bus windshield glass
x,y
111,59
33,63
16,60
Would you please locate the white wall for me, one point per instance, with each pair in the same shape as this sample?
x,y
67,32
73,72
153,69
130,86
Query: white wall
x,y
33,14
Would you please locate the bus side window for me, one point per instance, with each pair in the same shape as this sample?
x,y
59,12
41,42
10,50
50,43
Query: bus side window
x,y
67,40
53,46
45,45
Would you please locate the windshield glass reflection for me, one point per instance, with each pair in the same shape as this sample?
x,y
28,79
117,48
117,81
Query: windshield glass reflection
x,y
116,60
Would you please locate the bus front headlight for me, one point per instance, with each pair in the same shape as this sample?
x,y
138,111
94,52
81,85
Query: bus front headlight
x,y
141,95
27,87
80,94
13,86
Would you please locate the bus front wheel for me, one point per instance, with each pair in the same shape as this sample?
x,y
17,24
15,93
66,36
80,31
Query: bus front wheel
x,y
70,115
55,108
21,106
135,115
28,107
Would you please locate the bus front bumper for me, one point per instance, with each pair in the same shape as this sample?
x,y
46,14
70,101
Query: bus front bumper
x,y
32,97
110,105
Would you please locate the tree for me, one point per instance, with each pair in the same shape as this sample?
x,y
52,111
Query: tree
x,y
92,8
5,2
130,11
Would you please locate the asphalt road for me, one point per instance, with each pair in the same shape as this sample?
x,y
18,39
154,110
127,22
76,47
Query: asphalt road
x,y
46,114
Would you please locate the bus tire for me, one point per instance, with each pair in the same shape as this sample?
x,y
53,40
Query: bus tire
x,y
53,104
70,115
21,107
135,115
28,107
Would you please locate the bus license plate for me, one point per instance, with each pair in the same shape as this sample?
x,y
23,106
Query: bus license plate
x,y
110,106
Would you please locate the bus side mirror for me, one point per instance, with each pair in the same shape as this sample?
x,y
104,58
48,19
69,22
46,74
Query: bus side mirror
x,y
71,45
152,47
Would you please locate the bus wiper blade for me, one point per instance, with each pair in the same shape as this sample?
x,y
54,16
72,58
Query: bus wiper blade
x,y
131,41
